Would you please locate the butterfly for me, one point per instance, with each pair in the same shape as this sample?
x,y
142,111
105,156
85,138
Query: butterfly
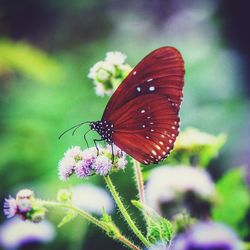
x,y
142,116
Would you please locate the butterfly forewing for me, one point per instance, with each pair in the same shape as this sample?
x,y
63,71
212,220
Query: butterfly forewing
x,y
161,72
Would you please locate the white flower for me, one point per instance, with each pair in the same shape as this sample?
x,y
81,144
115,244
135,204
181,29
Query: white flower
x,y
166,183
102,165
193,137
67,165
101,91
122,162
66,168
125,68
208,235
24,193
90,154
116,150
103,66
74,152
116,57
160,246
102,75
24,205
92,199
15,233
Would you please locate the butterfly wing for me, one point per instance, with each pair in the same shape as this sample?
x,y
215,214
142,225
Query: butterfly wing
x,y
161,72
146,128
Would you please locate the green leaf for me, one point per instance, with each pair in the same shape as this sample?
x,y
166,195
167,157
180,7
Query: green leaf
x,y
106,217
158,228
234,200
29,61
67,218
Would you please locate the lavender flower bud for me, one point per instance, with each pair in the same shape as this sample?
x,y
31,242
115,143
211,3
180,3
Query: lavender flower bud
x,y
102,165
10,207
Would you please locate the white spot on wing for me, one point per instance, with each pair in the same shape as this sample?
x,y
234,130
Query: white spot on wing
x,y
134,73
152,130
138,89
149,80
158,147
143,111
153,152
143,125
147,137
161,142
151,88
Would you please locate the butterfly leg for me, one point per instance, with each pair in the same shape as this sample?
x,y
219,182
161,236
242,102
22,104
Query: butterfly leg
x,y
85,138
113,155
96,140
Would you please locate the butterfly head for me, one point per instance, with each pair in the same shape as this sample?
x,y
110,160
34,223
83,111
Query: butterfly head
x,y
104,128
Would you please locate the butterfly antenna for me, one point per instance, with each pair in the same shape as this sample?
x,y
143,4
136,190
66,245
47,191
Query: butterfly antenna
x,y
74,127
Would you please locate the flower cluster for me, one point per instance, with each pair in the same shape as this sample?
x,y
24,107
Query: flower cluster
x,y
108,74
25,206
179,187
16,234
208,235
203,236
197,147
84,163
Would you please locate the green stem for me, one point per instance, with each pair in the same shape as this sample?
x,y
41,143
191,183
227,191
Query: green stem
x,y
92,219
124,212
139,181
84,214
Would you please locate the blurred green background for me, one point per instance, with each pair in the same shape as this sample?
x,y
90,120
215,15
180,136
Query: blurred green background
x,y
46,50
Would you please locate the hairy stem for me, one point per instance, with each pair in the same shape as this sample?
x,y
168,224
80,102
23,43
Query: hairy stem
x,y
124,212
139,181
92,219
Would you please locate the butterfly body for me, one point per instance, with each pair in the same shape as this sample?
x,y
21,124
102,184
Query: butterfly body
x,y
104,128
142,116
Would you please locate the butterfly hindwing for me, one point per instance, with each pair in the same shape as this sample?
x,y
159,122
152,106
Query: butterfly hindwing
x,y
146,128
